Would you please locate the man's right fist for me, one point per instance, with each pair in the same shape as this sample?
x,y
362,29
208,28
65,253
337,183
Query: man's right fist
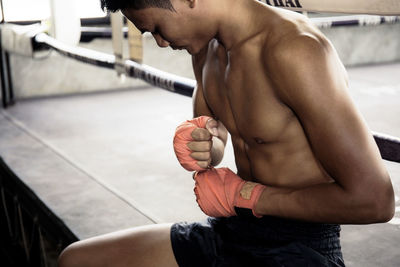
x,y
192,142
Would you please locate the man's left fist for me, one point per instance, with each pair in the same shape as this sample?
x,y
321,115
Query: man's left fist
x,y
219,191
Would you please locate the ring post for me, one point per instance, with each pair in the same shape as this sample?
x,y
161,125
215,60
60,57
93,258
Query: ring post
x,y
65,23
7,94
117,38
3,76
135,43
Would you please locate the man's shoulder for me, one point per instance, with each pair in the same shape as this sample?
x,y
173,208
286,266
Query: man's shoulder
x,y
213,48
199,58
198,61
298,50
290,31
298,46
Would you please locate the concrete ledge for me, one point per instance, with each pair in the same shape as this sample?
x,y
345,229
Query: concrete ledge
x,y
85,206
367,44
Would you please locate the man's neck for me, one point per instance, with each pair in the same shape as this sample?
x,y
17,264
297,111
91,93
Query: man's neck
x,y
238,21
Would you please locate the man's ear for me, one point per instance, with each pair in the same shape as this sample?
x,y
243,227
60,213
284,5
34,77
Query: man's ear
x,y
192,3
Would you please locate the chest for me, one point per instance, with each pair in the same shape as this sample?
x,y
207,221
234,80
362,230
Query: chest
x,y
237,89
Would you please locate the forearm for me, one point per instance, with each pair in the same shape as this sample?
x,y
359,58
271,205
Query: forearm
x,y
327,203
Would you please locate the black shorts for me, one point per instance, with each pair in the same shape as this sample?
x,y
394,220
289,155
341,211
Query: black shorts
x,y
248,241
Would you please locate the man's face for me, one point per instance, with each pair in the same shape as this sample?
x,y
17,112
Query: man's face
x,y
170,28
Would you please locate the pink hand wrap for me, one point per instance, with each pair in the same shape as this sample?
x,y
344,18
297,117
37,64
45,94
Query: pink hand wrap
x,y
183,136
218,191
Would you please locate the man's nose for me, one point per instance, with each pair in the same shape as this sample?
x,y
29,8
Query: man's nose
x,y
160,41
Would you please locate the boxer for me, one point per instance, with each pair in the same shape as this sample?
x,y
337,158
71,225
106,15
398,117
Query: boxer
x,y
306,161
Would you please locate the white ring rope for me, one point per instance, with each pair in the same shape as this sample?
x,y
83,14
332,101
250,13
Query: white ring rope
x,y
355,20
375,7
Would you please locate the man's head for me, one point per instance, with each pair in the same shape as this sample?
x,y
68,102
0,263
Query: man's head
x,y
180,24
115,5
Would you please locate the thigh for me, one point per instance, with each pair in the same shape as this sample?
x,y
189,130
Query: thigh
x,y
143,246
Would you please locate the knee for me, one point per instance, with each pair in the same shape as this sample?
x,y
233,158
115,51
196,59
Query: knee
x,y
71,256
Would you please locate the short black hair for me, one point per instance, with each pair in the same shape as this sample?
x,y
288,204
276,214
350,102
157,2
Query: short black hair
x,y
115,5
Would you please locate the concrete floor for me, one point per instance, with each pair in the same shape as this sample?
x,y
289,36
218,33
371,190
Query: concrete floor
x,y
104,161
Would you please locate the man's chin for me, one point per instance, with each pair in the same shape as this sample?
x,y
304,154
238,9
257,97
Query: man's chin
x,y
189,50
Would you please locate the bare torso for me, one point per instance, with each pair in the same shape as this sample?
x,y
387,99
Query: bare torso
x,y
269,142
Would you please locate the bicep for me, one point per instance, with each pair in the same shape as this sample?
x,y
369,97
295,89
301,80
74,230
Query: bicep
x,y
200,106
339,136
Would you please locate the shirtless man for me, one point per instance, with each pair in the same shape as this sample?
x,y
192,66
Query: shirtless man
x,y
276,84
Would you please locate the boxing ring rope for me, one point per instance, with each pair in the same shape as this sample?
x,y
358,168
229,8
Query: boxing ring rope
x,y
389,146
376,7
153,76
89,33
356,20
